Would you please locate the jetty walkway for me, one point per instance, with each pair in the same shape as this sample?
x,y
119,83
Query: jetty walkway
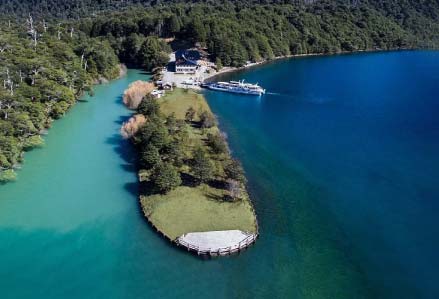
x,y
216,243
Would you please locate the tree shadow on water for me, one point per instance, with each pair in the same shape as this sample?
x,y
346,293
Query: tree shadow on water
x,y
122,119
132,188
125,150
119,101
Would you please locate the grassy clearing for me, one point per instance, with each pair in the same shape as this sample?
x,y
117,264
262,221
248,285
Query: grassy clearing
x,y
189,209
179,100
201,208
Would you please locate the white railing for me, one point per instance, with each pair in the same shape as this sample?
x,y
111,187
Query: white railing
x,y
221,250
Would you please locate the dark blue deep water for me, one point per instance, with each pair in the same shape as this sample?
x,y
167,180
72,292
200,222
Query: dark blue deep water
x,y
342,156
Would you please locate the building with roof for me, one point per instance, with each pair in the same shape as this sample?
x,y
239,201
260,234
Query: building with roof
x,y
186,61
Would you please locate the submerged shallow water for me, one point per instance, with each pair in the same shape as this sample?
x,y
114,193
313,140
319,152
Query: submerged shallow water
x,y
341,161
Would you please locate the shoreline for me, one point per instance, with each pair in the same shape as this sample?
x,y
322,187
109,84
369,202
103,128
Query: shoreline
x,y
207,74
9,175
229,69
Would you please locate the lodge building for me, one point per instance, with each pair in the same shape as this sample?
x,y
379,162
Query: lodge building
x,y
186,61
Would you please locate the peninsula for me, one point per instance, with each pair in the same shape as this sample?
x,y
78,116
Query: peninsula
x,y
192,191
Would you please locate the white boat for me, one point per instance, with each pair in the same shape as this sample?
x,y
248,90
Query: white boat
x,y
236,87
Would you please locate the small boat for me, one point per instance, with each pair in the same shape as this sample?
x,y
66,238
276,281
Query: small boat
x,y
236,87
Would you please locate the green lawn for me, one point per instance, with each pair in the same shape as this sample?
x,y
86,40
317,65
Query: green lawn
x,y
194,209
179,100
187,209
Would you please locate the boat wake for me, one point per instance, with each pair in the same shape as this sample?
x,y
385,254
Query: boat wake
x,y
273,93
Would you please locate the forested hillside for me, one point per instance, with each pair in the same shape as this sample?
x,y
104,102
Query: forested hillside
x,y
237,31
236,34
49,60
43,72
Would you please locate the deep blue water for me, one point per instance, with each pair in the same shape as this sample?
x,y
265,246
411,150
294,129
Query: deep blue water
x,y
343,160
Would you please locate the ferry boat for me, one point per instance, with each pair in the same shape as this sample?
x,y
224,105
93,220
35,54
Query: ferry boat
x,y
236,87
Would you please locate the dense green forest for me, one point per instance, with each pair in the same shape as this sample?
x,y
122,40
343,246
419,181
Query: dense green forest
x,y
43,73
236,32
48,61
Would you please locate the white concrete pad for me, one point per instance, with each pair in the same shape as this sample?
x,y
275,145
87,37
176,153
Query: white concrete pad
x,y
214,240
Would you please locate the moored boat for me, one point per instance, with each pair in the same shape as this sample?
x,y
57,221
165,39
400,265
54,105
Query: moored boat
x,y
236,87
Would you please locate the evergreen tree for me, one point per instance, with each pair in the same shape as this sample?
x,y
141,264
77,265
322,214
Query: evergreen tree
x,y
165,177
174,26
149,106
202,167
152,53
149,156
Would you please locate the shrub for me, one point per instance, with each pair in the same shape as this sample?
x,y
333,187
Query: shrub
x,y
190,114
135,92
131,127
234,188
32,142
7,176
217,143
234,171
207,120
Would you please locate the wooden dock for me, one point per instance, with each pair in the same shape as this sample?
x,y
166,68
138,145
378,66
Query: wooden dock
x,y
216,243
233,246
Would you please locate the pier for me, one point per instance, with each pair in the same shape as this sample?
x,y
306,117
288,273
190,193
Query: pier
x,y
216,243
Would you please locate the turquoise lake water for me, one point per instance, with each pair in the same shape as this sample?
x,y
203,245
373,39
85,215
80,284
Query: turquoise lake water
x,y
342,161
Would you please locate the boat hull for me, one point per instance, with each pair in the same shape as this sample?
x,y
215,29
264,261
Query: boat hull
x,y
239,91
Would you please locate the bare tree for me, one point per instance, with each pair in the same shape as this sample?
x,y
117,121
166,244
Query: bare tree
x,y
72,82
159,28
20,74
6,106
234,188
45,26
8,83
59,31
11,88
30,25
4,46
32,31
35,40
34,73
